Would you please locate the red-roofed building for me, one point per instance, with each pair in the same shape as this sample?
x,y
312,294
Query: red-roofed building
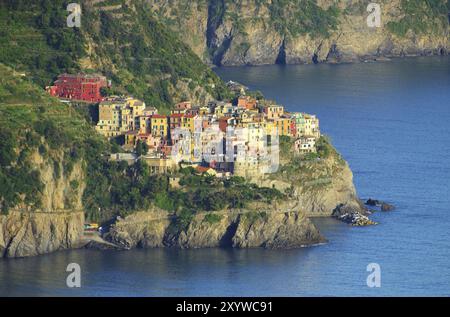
x,y
247,102
207,170
182,107
80,87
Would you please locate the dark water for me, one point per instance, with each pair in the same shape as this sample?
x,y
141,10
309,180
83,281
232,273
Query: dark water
x,y
391,121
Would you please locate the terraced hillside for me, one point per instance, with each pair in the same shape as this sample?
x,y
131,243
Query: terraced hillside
x,y
119,38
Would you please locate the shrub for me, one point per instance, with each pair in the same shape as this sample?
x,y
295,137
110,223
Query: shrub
x,y
212,218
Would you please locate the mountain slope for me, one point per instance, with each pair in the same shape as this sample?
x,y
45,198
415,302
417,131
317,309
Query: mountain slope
x,y
44,147
119,38
225,32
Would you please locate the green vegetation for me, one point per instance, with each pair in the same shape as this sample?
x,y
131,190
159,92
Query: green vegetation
x,y
421,17
210,193
31,121
136,189
296,17
127,44
212,218
141,148
286,146
253,216
312,170
34,39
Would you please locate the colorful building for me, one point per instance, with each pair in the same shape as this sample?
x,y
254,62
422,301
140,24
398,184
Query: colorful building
x,y
283,125
79,87
247,102
305,145
159,165
182,107
159,125
179,120
119,115
311,126
273,111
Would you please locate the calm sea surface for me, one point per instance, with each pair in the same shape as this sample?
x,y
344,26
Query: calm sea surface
x,y
391,122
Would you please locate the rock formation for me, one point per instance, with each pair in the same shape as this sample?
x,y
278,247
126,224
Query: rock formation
x,y
57,224
254,32
232,228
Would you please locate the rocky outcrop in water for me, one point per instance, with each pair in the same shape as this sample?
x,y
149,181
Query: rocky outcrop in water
x,y
352,215
381,204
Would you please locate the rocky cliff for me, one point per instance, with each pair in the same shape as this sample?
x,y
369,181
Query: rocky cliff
x,y
33,233
317,183
253,32
314,187
42,173
57,223
265,226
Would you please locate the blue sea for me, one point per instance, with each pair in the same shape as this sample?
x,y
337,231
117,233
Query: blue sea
x,y
390,121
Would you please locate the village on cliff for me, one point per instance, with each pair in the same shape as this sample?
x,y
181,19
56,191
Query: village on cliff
x,y
220,139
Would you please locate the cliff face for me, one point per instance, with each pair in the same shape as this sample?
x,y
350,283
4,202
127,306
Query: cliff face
x,y
315,188
57,223
266,227
251,32
324,186
28,233
317,184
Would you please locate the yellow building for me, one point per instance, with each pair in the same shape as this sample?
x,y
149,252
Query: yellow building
x,y
119,115
145,124
269,127
160,165
223,109
311,126
188,123
273,111
203,111
185,121
159,125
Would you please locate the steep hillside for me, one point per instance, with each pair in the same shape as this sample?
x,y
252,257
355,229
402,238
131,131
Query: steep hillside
x,y
226,32
317,182
44,148
44,145
118,38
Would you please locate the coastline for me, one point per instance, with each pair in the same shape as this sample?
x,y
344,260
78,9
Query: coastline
x,y
369,59
283,225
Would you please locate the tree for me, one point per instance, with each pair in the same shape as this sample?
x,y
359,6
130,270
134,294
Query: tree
x,y
141,148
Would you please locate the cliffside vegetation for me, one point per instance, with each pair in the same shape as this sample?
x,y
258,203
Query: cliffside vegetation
x,y
295,17
30,121
136,189
421,17
120,39
310,170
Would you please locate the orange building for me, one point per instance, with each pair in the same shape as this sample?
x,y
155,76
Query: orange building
x,y
247,102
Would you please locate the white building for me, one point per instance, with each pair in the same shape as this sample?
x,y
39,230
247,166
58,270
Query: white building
x,y
305,144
